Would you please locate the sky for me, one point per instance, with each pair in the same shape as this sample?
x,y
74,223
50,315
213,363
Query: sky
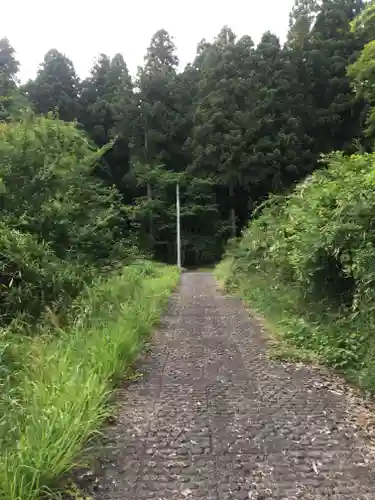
x,y
82,29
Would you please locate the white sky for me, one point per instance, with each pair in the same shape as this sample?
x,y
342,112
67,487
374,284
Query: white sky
x,y
82,29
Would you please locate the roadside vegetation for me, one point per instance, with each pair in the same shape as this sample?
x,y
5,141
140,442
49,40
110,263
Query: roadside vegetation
x,y
306,259
306,262
245,118
55,396
77,301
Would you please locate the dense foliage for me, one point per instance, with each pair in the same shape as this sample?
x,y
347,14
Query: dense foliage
x,y
60,224
306,260
82,192
239,122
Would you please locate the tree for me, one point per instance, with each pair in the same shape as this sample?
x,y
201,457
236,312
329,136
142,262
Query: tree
x,y
60,226
218,119
8,78
157,114
107,109
53,194
279,153
155,100
330,114
246,134
225,38
56,87
301,20
364,23
161,54
155,214
203,231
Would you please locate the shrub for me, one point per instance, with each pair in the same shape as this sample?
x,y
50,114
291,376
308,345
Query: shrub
x,y
32,276
59,223
48,189
322,235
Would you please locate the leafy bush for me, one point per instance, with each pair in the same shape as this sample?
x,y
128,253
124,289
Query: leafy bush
x,y
48,189
315,254
32,276
60,225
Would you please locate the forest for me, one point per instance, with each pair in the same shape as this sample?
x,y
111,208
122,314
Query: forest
x,y
238,123
271,145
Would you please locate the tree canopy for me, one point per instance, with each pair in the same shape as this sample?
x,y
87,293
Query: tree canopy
x,y
243,120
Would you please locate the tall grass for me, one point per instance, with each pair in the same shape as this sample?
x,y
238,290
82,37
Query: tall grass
x,y
59,399
302,332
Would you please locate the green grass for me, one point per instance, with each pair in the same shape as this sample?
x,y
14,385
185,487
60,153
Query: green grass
x,y
300,332
58,401
278,316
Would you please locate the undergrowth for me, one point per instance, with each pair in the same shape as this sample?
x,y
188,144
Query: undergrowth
x,y
306,263
54,391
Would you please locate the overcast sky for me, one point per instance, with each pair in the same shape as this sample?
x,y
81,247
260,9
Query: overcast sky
x,y
82,29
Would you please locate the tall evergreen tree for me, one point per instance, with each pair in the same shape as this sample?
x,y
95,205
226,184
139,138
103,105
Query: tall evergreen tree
x,y
301,20
154,123
107,109
218,118
56,87
279,149
156,100
161,54
334,117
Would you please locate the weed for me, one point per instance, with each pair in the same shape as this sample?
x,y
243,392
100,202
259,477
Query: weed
x,y
60,399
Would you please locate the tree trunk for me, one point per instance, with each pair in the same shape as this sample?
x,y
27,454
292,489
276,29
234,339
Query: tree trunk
x,y
250,207
232,212
151,219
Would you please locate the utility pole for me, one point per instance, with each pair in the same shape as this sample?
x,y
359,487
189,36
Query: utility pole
x,y
178,225
149,194
149,187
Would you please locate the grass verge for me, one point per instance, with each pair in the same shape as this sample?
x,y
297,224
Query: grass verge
x,y
300,332
58,400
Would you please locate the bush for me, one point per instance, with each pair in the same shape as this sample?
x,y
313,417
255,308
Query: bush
x,y
59,398
32,276
60,225
48,189
313,252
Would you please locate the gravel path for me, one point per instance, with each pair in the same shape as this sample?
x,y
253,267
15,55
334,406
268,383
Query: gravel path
x,y
213,418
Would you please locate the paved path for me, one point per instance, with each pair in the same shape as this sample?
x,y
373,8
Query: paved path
x,y
214,419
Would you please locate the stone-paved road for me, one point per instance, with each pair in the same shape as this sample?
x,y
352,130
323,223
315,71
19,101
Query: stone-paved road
x,y
215,419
